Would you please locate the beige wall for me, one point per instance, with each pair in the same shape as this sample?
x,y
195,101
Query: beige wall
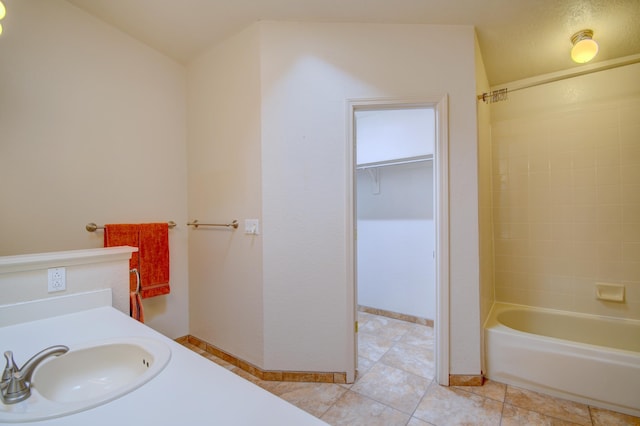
x,y
93,130
294,275
225,184
309,71
566,162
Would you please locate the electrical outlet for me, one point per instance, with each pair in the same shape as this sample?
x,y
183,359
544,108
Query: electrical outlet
x,y
57,279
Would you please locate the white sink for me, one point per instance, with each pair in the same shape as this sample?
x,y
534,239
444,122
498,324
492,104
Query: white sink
x,y
88,376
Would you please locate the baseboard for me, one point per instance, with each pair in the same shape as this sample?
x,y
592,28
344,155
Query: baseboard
x,y
466,380
269,375
396,315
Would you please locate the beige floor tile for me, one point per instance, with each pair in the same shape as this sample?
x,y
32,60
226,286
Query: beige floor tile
x,y
443,406
419,335
393,387
314,398
353,409
385,327
391,383
363,317
553,407
417,422
372,347
602,417
489,389
516,416
412,359
364,365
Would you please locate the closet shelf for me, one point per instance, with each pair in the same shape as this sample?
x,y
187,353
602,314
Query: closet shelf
x,y
394,162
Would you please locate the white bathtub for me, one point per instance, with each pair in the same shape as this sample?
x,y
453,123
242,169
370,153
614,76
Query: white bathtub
x,y
585,358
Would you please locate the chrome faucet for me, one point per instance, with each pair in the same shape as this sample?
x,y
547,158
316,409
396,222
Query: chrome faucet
x,y
16,382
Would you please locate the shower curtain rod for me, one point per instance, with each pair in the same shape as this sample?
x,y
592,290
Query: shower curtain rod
x,y
501,93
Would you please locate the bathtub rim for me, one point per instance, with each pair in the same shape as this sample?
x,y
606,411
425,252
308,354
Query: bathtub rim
x,y
565,390
499,307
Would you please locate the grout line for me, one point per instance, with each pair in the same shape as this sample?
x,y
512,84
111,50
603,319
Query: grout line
x,y
502,413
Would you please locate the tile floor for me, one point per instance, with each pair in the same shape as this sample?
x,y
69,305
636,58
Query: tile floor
x,y
395,387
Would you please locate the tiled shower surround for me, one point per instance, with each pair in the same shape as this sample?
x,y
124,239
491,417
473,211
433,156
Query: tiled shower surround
x,y
566,182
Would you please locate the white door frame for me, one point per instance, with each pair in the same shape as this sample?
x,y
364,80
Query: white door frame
x,y
441,194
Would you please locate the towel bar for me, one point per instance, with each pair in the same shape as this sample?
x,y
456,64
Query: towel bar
x,y
135,271
92,227
195,224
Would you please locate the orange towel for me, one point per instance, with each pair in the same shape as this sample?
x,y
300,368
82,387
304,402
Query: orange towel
x,y
152,258
135,306
125,235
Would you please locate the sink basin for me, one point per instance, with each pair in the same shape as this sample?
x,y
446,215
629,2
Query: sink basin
x,y
88,376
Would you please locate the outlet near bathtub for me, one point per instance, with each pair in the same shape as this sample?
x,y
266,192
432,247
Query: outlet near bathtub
x,y
610,292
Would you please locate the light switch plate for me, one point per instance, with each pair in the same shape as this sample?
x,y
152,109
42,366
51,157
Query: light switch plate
x,y
251,226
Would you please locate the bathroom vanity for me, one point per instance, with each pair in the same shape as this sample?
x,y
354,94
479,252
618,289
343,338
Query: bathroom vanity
x,y
171,385
189,389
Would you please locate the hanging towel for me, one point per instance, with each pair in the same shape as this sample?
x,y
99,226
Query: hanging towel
x,y
135,306
125,235
151,260
154,259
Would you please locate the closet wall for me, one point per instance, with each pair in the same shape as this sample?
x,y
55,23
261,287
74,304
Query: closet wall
x,y
395,211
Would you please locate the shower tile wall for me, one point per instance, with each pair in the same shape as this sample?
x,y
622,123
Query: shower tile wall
x,y
566,198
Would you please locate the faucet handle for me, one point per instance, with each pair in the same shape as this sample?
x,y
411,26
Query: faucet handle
x,y
10,368
16,390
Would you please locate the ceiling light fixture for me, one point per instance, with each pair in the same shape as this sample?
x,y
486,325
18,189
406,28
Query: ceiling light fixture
x,y
584,47
3,13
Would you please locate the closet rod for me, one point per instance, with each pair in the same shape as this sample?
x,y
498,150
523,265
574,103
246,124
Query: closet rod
x,y
395,162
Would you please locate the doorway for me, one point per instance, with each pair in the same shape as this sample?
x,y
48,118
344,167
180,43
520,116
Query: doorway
x,y
395,248
398,163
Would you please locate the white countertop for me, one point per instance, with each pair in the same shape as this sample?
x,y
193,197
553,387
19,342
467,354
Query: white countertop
x,y
191,390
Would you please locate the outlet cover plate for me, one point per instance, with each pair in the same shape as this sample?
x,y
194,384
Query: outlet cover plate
x,y
57,279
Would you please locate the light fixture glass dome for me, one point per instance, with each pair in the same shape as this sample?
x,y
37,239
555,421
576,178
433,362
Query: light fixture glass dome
x,y
584,47
3,13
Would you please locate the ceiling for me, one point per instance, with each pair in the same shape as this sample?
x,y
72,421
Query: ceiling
x,y
518,38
